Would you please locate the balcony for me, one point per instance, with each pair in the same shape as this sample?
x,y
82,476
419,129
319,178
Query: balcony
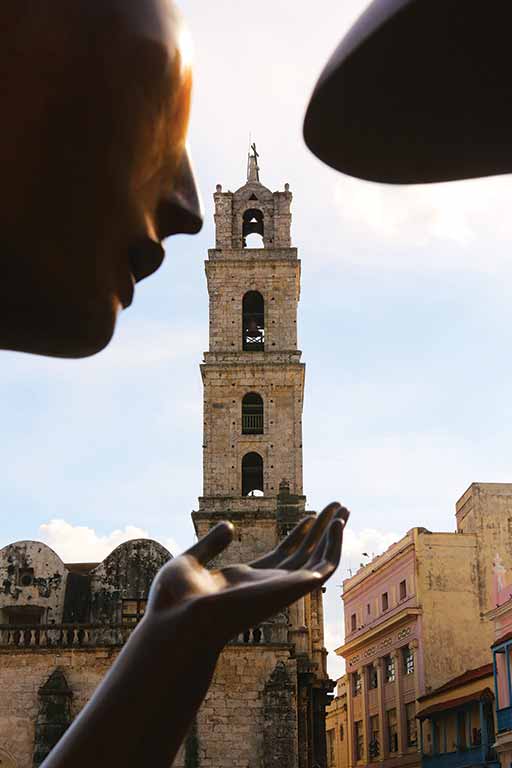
x,y
252,423
461,759
505,719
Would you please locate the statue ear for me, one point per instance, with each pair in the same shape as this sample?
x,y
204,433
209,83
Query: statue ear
x,y
180,211
418,91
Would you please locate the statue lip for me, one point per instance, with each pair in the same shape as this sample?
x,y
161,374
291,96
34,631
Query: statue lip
x,y
144,257
127,292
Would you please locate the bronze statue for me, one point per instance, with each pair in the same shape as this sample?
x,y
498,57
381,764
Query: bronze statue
x,y
95,174
417,91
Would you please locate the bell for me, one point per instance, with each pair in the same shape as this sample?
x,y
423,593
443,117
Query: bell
x,y
418,91
252,328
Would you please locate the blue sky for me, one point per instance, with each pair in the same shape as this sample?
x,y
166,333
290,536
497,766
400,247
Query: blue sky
x,y
404,324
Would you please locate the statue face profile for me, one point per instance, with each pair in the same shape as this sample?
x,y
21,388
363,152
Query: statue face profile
x,y
95,170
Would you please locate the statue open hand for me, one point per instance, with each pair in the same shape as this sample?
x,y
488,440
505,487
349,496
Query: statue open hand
x,y
229,600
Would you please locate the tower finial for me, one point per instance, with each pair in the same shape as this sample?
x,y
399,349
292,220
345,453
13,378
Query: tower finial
x,y
253,169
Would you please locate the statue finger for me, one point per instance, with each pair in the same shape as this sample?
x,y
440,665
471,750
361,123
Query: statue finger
x,y
332,551
312,540
322,549
286,547
211,545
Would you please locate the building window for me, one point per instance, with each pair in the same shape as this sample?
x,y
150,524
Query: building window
x,y
374,746
359,740
373,678
385,601
252,475
253,322
389,669
392,731
403,590
26,577
412,733
133,611
356,683
252,414
408,655
331,748
368,609
342,733
353,622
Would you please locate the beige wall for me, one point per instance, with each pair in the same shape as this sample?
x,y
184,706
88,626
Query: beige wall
x,y
486,511
22,673
233,718
337,727
453,636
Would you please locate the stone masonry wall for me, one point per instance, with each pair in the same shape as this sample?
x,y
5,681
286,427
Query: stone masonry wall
x,y
249,715
281,388
23,673
278,283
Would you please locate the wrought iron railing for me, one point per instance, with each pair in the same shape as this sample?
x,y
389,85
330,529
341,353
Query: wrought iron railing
x,y
252,423
505,719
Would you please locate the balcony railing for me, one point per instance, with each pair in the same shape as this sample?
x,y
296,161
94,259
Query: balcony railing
x,y
252,423
64,635
461,759
505,719
41,636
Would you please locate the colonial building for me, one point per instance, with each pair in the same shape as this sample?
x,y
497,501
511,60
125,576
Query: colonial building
x,y
457,722
61,628
266,706
336,727
415,618
501,617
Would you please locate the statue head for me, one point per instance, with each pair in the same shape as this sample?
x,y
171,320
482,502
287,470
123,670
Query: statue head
x,y
95,170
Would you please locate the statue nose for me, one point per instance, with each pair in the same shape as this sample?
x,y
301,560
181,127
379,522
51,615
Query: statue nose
x,y
181,211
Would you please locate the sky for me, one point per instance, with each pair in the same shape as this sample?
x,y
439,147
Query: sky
x,y
404,324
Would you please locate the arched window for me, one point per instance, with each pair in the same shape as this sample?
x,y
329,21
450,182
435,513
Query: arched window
x,y
253,322
252,475
253,225
252,414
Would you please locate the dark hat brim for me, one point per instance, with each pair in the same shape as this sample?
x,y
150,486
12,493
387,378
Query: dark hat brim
x,y
418,91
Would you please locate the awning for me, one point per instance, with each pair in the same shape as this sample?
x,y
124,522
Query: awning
x,y
454,703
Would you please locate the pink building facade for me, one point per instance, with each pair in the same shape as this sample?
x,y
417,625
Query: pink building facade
x,y
502,651
383,659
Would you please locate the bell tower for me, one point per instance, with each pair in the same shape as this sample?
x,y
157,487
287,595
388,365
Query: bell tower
x,y
266,706
252,374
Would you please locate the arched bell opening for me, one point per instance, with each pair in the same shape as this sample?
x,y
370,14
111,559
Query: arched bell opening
x,y
253,322
253,228
252,475
252,414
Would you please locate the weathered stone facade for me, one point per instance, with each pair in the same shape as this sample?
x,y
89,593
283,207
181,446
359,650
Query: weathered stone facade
x,y
266,706
61,628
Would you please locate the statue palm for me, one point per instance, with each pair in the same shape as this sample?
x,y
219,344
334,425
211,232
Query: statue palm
x,y
238,597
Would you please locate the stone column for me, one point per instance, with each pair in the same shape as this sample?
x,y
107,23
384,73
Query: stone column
x,y
399,703
414,646
379,664
350,722
364,693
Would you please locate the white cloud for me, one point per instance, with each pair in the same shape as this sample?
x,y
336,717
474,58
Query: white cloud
x,y
373,541
458,225
77,543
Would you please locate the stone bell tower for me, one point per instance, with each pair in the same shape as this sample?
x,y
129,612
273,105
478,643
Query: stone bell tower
x,y
266,707
252,374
